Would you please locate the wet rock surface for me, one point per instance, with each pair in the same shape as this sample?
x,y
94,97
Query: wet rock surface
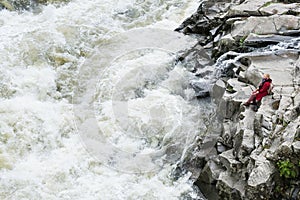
x,y
19,5
257,152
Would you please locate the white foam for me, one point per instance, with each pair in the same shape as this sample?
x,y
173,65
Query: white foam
x,y
41,154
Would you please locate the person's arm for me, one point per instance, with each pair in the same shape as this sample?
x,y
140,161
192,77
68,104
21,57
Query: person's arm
x,y
264,88
257,89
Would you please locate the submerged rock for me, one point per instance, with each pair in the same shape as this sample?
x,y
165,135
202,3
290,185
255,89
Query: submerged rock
x,y
201,88
13,5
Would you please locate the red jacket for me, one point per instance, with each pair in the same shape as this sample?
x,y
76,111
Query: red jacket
x,y
263,91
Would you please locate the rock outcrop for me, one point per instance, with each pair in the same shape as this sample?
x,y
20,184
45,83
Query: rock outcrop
x,y
258,148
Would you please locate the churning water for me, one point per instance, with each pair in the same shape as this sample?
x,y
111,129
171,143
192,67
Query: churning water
x,y
93,102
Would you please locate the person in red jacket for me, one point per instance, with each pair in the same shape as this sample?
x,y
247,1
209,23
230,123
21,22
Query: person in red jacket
x,y
261,91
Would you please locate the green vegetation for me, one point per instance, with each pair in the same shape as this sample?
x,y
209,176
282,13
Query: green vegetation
x,y
267,4
287,169
242,40
230,89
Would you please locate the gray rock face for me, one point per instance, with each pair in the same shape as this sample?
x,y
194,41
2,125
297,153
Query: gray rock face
x,y
280,9
260,181
280,67
247,144
261,174
288,136
228,132
228,160
265,25
253,75
218,91
296,147
230,186
256,40
253,138
228,108
210,172
201,88
247,8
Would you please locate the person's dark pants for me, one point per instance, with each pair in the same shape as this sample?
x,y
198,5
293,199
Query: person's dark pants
x,y
252,99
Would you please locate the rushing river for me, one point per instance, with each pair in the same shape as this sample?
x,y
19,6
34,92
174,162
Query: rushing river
x,y
94,104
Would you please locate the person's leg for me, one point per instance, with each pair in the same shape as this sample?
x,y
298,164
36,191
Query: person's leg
x,y
254,101
251,98
257,105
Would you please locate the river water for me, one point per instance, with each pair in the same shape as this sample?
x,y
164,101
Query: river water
x,y
94,104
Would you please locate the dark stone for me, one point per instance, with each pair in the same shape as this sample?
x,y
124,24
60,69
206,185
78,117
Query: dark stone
x,y
220,147
245,61
206,21
201,88
259,41
203,74
230,89
197,58
238,138
294,33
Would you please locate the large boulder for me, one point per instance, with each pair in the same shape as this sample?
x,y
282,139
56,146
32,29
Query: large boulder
x,y
228,108
256,40
210,173
229,161
247,8
231,186
201,87
218,90
285,149
229,129
253,75
265,25
280,9
293,111
247,145
260,181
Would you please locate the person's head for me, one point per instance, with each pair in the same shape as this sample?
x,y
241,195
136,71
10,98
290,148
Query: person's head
x,y
266,76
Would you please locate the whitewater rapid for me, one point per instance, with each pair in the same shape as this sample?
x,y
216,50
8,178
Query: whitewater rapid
x,y
94,104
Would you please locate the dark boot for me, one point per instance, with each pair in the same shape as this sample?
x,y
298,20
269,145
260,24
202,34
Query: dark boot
x,y
246,104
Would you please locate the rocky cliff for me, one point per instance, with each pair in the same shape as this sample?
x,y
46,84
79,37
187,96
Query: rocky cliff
x,y
256,155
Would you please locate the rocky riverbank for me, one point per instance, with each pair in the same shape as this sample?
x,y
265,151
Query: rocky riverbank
x,y
256,155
